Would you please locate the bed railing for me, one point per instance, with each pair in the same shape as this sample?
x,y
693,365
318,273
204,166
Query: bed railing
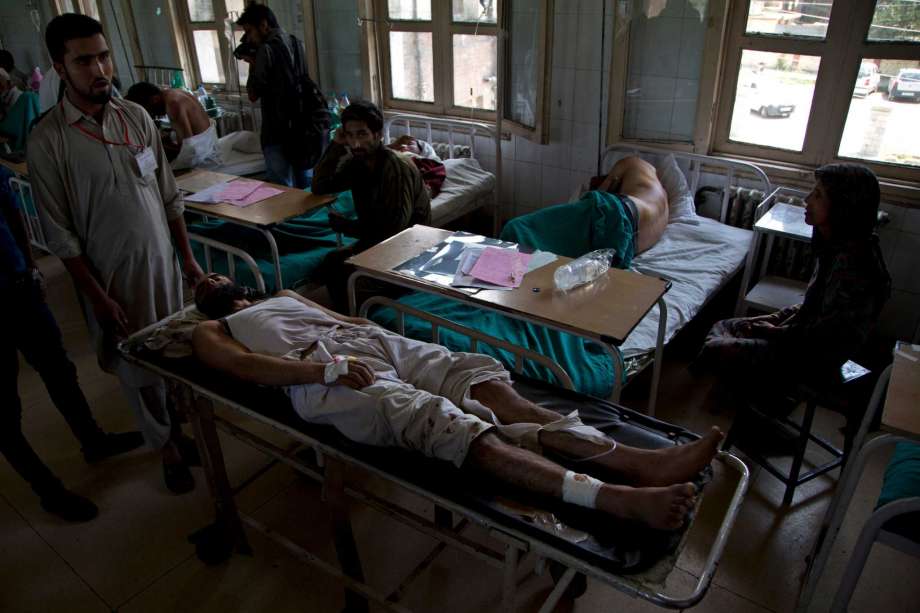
x,y
229,252
427,128
694,163
476,337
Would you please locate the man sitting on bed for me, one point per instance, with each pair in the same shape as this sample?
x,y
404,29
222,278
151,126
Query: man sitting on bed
x,y
379,388
388,191
196,137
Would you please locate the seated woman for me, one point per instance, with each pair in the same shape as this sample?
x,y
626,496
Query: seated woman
x,y
379,388
849,286
627,211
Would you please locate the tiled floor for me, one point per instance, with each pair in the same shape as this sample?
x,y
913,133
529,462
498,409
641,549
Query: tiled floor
x,y
135,557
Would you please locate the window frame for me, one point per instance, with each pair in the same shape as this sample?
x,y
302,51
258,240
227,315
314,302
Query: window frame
x,y
188,52
842,51
442,29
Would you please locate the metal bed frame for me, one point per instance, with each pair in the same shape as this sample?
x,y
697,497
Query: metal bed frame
x,y
429,125
227,534
32,223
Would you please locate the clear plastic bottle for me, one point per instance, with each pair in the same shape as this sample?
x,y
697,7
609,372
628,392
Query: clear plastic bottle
x,y
585,269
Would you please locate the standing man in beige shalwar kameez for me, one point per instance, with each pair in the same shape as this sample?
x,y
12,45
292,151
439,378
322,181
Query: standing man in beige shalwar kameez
x,y
109,207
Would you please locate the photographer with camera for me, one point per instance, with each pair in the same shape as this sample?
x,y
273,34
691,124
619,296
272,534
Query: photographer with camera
x,y
294,115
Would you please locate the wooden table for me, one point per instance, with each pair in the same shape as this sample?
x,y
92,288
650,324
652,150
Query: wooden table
x,y
260,216
900,422
605,311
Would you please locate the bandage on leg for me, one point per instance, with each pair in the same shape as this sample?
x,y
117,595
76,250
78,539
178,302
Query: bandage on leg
x,y
580,489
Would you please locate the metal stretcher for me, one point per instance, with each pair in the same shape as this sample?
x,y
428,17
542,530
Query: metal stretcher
x,y
625,555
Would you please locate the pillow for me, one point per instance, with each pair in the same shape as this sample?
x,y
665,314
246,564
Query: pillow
x,y
680,201
247,142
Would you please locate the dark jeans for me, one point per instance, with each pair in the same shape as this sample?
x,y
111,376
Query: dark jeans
x,y
334,272
31,329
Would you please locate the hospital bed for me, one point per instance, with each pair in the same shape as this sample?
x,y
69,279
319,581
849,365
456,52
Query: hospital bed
x,y
466,188
698,261
521,529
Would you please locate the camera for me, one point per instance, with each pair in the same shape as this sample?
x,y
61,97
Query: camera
x,y
244,49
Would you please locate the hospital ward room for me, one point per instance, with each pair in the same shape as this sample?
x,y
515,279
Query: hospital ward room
x,y
459,306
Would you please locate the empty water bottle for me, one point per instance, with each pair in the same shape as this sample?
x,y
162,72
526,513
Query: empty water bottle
x,y
585,269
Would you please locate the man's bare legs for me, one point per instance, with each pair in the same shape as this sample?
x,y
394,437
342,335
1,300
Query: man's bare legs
x,y
640,467
663,508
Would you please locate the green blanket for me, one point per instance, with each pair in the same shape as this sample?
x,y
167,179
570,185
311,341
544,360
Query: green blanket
x,y
587,363
597,221
17,122
302,241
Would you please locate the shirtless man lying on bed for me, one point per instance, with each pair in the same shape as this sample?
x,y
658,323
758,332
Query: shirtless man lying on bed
x,y
379,388
635,182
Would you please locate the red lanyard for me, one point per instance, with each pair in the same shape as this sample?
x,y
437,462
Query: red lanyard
x,y
103,140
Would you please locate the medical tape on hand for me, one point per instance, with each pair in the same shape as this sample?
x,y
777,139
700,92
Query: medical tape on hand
x,y
580,489
335,369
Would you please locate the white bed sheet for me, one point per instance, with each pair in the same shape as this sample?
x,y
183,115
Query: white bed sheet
x,y
465,184
235,162
698,260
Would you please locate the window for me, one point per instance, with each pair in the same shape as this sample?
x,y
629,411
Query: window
x,y
459,37
810,82
207,24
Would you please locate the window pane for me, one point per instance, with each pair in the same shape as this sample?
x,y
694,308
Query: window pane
x,y
802,18
201,10
242,69
883,123
773,99
522,80
411,66
475,74
482,11
411,10
663,74
896,20
234,8
207,49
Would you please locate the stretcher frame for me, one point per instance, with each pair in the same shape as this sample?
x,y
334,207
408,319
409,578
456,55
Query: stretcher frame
x,y
227,534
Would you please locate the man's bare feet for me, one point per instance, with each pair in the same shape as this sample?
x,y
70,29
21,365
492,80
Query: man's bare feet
x,y
660,467
662,508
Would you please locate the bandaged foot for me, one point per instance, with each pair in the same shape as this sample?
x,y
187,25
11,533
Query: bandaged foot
x,y
662,508
658,467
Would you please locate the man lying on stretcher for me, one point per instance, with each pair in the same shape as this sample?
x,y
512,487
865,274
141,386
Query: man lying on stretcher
x,y
380,388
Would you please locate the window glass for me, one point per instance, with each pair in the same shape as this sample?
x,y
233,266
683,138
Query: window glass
x,y
481,11
234,8
409,10
207,48
411,66
896,20
475,74
522,81
800,18
773,99
663,76
883,123
201,10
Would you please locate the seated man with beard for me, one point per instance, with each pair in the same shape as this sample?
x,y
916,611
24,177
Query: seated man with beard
x,y
379,388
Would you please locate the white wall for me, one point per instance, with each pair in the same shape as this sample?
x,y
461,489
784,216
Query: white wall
x,y
338,43
20,37
900,241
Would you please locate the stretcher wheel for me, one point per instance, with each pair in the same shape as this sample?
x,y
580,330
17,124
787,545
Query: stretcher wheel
x,y
576,588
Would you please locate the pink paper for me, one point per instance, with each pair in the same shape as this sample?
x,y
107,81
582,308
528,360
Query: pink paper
x,y
261,193
505,267
239,189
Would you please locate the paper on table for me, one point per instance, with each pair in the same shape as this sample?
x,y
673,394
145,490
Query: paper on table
x,y
468,259
239,189
540,259
263,192
209,195
501,266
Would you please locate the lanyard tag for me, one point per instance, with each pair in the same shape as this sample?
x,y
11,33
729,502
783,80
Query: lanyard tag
x,y
146,162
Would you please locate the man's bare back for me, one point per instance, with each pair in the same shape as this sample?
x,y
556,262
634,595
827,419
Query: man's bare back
x,y
636,178
186,114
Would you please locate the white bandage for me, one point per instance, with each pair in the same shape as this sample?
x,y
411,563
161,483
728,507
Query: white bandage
x,y
580,489
335,369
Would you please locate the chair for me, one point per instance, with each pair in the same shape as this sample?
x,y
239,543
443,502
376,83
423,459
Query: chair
x,y
835,396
